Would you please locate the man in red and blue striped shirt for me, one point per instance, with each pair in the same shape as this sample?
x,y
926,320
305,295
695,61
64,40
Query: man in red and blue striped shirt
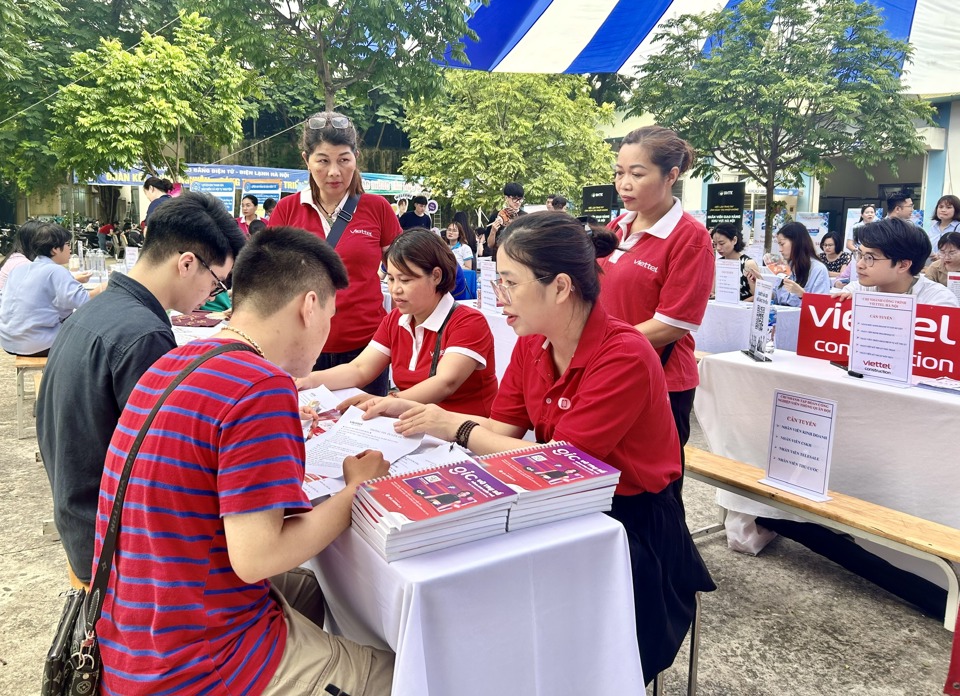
x,y
214,512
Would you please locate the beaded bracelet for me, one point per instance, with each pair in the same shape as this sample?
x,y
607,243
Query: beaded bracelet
x,y
463,432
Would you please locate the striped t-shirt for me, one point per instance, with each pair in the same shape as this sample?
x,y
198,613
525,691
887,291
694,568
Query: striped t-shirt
x,y
177,619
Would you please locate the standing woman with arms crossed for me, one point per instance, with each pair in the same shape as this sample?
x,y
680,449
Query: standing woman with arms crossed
x,y
661,276
573,370
329,149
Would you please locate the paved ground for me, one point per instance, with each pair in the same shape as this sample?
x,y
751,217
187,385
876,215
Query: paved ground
x,y
785,623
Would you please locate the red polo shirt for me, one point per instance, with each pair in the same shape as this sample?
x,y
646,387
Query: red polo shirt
x,y
373,227
665,274
611,402
411,352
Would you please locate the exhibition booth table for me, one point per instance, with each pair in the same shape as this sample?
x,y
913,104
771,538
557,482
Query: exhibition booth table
x,y
726,327
544,610
892,446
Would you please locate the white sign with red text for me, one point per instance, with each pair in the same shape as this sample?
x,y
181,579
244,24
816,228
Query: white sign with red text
x,y
801,444
881,336
825,324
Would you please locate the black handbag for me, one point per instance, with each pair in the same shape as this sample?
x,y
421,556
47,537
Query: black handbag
x,y
73,666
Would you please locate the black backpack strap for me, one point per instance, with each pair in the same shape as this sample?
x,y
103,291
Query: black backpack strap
x,y
98,589
436,348
343,218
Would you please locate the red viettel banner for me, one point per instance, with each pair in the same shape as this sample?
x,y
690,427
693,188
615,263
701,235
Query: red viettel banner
x,y
825,324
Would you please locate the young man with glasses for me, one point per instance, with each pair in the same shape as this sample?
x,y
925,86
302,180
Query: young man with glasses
x,y
512,204
106,346
890,256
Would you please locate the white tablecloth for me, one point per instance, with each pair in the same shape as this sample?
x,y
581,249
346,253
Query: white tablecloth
x,y
504,338
726,327
546,610
894,447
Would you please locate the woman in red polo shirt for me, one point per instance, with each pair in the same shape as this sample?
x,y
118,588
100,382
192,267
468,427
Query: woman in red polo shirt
x,y
661,276
580,375
329,149
461,375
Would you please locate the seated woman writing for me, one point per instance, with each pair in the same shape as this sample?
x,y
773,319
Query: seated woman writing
x,y
579,375
40,295
440,351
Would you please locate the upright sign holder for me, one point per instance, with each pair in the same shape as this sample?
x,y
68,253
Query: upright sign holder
x,y
801,444
881,337
759,328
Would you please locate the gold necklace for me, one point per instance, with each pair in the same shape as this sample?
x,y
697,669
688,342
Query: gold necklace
x,y
245,337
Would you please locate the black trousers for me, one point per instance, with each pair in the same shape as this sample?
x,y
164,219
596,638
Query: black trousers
x,y
378,387
681,405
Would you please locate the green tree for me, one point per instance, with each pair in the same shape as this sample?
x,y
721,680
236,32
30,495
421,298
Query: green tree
x,y
484,130
16,38
361,56
136,107
783,88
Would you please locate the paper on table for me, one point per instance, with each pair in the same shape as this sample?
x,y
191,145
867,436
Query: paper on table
x,y
435,456
321,398
728,281
350,436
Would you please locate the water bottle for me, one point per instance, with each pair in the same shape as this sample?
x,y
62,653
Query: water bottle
x,y
771,331
74,264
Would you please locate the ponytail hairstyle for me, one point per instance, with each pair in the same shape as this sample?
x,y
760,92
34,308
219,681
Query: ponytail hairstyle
x,y
664,147
156,182
550,243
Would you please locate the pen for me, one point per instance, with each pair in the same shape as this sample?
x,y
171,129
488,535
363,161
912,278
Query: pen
x,y
854,374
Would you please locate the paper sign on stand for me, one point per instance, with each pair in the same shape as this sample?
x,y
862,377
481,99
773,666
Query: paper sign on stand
x,y
130,256
488,276
881,337
801,444
728,281
953,283
759,328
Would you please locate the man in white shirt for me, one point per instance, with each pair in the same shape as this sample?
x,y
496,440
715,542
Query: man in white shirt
x,y
891,255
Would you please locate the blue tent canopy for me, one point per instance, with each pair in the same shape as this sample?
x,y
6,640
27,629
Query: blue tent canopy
x,y
582,36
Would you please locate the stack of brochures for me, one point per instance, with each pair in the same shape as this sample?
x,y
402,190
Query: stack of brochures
x,y
553,482
431,509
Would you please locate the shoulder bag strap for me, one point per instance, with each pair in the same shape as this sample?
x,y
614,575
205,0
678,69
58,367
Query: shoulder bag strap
x,y
99,588
343,218
436,348
667,352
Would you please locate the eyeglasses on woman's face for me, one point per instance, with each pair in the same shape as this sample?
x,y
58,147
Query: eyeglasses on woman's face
x,y
502,290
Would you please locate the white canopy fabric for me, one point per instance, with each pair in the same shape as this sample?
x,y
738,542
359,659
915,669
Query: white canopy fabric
x,y
604,36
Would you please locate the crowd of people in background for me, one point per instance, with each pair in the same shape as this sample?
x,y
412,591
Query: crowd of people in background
x,y
605,360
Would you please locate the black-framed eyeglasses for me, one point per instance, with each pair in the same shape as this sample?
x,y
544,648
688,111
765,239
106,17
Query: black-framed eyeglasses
x,y
503,291
318,122
868,259
221,286
516,199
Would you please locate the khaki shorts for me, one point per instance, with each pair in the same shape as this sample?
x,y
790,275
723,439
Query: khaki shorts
x,y
314,660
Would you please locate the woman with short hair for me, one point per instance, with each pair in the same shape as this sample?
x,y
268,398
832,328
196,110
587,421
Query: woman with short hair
x,y
440,351
40,295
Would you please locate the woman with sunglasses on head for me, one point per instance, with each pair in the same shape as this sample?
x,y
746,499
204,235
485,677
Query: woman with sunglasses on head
x,y
329,149
441,351
661,277
578,374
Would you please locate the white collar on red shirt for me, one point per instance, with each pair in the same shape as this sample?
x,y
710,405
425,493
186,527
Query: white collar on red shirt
x,y
661,228
306,198
432,323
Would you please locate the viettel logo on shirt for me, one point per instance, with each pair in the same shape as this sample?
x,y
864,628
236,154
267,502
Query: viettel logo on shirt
x,y
365,233
648,266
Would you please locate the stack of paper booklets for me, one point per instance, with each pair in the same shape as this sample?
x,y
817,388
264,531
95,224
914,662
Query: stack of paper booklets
x,y
430,509
553,482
